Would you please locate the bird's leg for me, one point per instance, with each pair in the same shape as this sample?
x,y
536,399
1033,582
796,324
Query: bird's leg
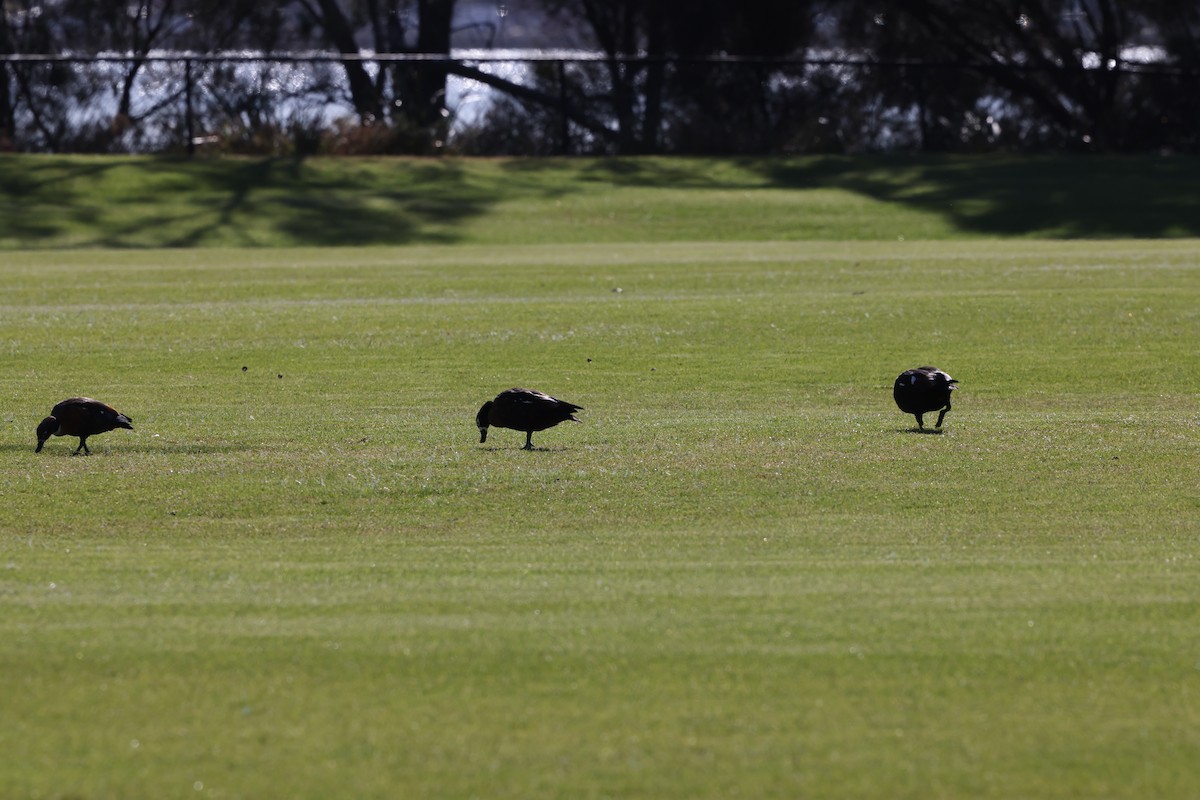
x,y
942,415
528,440
920,422
82,446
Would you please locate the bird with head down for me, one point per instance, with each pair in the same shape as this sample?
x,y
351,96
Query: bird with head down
x,y
82,417
525,410
922,390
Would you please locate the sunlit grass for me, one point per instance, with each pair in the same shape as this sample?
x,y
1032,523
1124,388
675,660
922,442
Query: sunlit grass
x,y
742,574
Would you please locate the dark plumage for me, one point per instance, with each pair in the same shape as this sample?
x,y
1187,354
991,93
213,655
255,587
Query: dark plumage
x,y
924,389
82,417
524,410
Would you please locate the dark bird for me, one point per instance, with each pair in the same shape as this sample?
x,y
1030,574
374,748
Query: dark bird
x,y
524,410
924,389
82,417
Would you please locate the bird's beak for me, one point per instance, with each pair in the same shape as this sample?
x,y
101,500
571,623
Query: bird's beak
x,y
39,447
482,435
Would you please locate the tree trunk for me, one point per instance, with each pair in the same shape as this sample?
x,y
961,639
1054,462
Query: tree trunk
x,y
433,38
362,89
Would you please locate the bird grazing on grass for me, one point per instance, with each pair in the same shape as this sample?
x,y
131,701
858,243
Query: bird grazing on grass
x,y
82,417
524,410
924,389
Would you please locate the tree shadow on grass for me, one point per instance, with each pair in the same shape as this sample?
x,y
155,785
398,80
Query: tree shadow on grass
x,y
422,203
175,202
1065,197
644,172
39,198
124,202
1053,196
290,202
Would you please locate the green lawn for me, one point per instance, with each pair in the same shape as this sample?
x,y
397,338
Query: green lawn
x,y
79,202
744,574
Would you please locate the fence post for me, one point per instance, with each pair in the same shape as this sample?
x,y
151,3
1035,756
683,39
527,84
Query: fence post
x,y
188,115
564,131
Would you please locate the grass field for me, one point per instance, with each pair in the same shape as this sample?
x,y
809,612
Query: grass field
x,y
744,574
74,202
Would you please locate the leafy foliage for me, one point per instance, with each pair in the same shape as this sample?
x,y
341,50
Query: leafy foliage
x,y
761,77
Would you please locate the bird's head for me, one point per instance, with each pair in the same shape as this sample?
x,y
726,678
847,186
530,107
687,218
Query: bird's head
x,y
45,430
481,421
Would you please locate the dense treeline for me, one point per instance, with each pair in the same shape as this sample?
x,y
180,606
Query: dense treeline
x,y
631,76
